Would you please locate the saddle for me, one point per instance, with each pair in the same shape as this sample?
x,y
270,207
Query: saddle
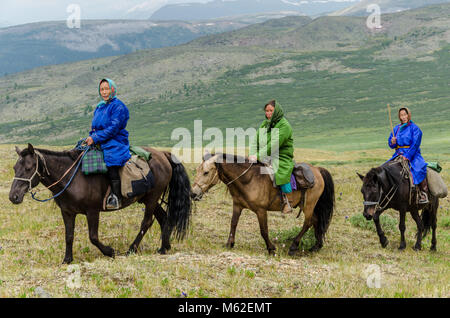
x,y
304,178
304,175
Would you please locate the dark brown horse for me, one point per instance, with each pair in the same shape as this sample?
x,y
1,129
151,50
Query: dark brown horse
x,y
254,191
388,187
85,194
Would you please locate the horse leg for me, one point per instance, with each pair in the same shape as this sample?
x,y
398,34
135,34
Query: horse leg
x,y
234,222
433,230
298,238
420,227
93,219
319,240
433,209
69,223
161,217
145,225
402,227
262,218
383,240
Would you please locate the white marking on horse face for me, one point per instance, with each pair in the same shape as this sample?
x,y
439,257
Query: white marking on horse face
x,y
206,175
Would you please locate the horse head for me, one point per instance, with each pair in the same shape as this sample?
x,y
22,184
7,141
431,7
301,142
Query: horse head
x,y
27,174
206,176
373,183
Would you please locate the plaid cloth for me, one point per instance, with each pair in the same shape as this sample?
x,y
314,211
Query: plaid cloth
x,y
93,162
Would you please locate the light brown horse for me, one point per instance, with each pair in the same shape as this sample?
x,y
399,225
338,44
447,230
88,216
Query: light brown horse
x,y
250,189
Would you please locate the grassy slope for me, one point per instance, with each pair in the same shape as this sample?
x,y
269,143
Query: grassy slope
x,y
405,64
32,248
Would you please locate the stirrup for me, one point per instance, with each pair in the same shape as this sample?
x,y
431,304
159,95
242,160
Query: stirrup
x,y
112,203
286,206
423,198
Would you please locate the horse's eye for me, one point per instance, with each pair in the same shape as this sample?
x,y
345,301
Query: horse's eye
x,y
205,173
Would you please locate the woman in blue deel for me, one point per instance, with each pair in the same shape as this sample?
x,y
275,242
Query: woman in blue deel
x,y
108,130
406,142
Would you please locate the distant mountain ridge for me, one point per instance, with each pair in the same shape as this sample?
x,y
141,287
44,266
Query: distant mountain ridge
x,y
32,45
386,6
224,8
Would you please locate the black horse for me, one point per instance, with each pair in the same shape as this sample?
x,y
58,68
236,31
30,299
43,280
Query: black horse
x,y
85,194
388,186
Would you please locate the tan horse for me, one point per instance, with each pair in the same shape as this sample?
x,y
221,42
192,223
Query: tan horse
x,y
250,189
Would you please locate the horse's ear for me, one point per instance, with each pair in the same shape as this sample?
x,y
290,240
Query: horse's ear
x,y
30,149
18,150
207,155
360,176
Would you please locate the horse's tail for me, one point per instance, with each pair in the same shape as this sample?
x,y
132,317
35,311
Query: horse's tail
x,y
428,215
325,206
179,202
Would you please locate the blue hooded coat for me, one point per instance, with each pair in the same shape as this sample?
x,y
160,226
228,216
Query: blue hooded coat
x,y
108,129
409,137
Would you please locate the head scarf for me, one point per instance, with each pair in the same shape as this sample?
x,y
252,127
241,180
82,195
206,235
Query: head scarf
x,y
112,88
277,115
403,126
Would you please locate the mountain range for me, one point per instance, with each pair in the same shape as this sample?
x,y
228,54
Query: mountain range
x,y
323,71
32,45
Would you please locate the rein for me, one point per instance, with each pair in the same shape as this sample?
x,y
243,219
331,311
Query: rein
x,y
39,155
251,164
389,196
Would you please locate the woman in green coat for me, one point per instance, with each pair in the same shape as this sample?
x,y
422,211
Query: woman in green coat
x,y
262,148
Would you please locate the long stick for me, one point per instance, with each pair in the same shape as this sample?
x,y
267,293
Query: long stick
x,y
390,120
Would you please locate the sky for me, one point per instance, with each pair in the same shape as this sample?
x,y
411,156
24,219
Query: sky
x,y
13,12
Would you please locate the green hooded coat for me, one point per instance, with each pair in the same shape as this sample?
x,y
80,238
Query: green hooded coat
x,y
263,145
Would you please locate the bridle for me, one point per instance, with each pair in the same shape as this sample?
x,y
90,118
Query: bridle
x,y
36,172
389,196
228,183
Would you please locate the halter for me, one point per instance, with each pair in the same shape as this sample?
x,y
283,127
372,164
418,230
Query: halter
x,y
36,172
39,155
389,196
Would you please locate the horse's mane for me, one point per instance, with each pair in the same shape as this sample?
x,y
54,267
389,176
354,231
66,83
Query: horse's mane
x,y
73,153
372,175
232,159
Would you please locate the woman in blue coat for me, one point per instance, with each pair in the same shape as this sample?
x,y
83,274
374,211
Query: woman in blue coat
x,y
108,131
406,142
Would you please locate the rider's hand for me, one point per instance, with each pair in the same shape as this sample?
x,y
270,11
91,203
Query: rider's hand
x,y
252,158
89,140
394,141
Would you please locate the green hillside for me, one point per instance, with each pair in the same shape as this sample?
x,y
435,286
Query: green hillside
x,y
332,75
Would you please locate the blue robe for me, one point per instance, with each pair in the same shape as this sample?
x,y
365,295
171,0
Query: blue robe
x,y
108,130
410,138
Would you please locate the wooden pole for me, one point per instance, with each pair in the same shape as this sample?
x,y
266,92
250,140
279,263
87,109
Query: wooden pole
x,y
390,119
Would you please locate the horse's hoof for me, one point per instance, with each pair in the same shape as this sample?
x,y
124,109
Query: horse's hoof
x,y
384,243
229,245
162,251
67,260
292,251
315,248
433,249
417,247
131,252
402,247
272,252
